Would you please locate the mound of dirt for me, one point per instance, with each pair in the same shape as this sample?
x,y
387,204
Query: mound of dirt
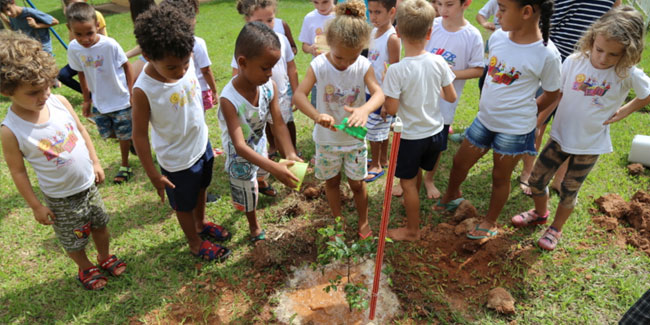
x,y
635,169
501,300
634,216
446,271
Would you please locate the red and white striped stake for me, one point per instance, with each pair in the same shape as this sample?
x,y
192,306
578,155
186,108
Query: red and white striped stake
x,y
397,133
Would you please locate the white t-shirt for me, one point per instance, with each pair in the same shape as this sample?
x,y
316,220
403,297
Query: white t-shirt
x,y
336,89
417,82
179,134
590,97
378,52
55,149
462,49
278,27
313,24
507,103
102,67
490,9
252,120
279,72
201,60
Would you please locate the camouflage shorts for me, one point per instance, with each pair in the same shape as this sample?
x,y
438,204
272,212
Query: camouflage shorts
x,y
76,215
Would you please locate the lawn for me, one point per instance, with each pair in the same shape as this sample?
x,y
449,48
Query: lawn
x,y
593,276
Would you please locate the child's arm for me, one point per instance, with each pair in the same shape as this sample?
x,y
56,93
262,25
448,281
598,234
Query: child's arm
x,y
287,33
544,113
280,128
292,72
209,78
14,159
627,109
309,49
87,102
394,49
38,25
140,115
280,171
129,76
449,93
469,73
134,51
359,115
391,105
483,21
97,167
303,104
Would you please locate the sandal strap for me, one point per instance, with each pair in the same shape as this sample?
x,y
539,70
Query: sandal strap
x,y
210,251
90,276
111,264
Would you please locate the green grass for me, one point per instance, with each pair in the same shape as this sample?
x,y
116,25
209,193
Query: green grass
x,y
37,282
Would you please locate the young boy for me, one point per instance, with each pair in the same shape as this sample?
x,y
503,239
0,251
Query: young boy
x,y
30,21
247,102
105,72
44,130
413,88
461,45
384,49
167,95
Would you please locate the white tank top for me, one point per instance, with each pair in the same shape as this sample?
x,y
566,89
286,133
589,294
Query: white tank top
x,y
378,51
179,134
55,149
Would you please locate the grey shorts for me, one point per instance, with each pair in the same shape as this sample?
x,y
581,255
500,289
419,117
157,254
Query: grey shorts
x,y
76,215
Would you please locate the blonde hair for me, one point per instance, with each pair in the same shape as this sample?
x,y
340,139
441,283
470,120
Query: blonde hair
x,y
247,7
624,25
414,19
349,28
22,60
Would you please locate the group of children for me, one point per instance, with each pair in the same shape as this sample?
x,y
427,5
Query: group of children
x,y
422,89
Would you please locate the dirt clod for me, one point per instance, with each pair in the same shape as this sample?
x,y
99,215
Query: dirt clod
x,y
635,169
612,205
501,300
311,192
635,213
465,226
465,211
607,223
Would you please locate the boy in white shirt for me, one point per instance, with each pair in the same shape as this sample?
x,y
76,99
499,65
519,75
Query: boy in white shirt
x,y
167,95
105,72
461,45
413,88
44,130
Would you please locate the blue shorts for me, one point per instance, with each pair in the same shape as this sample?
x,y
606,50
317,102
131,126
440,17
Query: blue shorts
x,y
189,182
420,153
505,144
114,124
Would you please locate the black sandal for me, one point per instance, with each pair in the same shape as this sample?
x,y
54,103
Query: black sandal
x,y
123,175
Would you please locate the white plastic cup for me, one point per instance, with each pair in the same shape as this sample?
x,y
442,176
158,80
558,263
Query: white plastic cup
x,y
640,150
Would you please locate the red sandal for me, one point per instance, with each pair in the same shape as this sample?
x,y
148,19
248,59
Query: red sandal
x,y
112,264
212,252
90,277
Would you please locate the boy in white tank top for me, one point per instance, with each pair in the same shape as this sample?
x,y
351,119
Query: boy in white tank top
x,y
167,94
44,130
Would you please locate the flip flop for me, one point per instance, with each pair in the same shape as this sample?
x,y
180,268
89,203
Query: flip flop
x,y
521,186
268,191
369,234
261,236
375,176
490,233
449,206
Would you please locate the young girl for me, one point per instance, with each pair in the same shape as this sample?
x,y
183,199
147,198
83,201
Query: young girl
x,y
595,82
520,58
247,102
284,74
341,75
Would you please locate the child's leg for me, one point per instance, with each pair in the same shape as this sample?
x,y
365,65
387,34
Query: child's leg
x,y
432,190
66,75
292,132
412,205
81,259
559,177
333,194
125,145
397,189
361,201
188,225
253,224
199,211
464,159
578,168
383,156
270,139
375,165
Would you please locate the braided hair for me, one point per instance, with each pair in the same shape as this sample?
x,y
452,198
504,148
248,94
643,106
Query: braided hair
x,y
546,11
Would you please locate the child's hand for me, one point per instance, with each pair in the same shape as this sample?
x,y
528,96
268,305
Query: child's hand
x,y
357,118
160,182
489,25
85,108
44,215
99,173
31,22
285,176
615,118
326,121
294,157
383,113
215,98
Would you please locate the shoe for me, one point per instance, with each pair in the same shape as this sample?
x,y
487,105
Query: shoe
x,y
374,176
215,231
212,252
123,175
529,218
449,206
550,239
488,233
268,191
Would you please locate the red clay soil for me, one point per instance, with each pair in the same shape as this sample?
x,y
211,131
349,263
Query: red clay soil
x,y
447,271
631,219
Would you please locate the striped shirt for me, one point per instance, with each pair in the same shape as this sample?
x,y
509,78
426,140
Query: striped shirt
x,y
570,20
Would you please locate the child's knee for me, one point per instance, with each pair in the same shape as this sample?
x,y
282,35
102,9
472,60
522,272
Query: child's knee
x,y
357,186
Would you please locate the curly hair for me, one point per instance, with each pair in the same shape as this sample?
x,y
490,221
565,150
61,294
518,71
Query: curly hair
x,y
247,7
80,12
189,8
624,25
414,19
349,28
254,38
22,60
162,31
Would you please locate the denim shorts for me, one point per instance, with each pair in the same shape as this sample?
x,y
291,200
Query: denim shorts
x,y
505,144
114,124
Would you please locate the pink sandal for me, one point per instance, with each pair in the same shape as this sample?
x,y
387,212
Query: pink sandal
x,y
529,218
550,239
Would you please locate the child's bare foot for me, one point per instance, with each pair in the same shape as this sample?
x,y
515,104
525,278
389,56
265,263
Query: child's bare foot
x,y
432,190
365,231
523,184
404,233
397,190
